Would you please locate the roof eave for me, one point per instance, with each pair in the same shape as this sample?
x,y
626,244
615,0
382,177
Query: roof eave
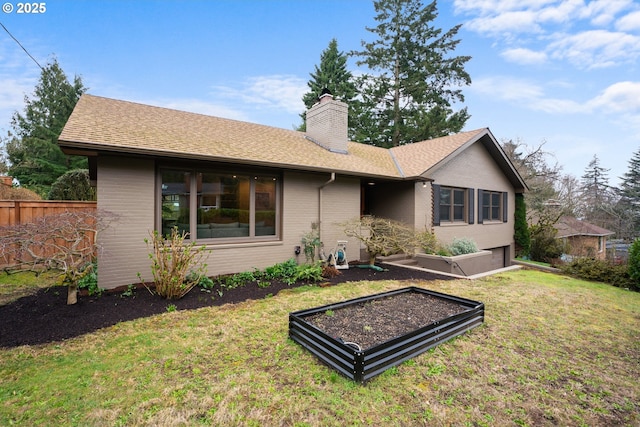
x,y
493,147
577,234
91,150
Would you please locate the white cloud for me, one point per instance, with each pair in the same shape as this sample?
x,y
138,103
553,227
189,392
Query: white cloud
x,y
508,22
603,12
596,48
561,13
621,97
13,90
629,22
19,77
577,31
557,106
485,7
200,107
507,88
274,98
283,92
524,56
539,12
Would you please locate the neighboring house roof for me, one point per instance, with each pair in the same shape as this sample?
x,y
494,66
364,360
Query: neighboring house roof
x,y
106,125
569,227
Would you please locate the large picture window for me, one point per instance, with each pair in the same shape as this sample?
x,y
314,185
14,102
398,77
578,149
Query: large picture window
x,y
215,205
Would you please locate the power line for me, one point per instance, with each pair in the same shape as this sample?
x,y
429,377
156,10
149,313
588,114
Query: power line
x,y
20,44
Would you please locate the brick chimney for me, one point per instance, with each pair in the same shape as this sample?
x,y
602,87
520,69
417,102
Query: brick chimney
x,y
6,180
327,122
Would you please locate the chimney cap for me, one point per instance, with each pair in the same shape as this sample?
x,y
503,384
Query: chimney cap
x,y
326,93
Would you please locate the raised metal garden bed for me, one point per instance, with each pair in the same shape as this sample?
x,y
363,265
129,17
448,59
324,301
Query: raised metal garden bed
x,y
363,364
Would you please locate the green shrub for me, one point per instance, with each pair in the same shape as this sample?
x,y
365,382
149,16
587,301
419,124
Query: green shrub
x,y
239,279
545,247
521,236
600,271
72,185
310,242
462,246
634,262
89,279
288,272
204,282
281,271
309,273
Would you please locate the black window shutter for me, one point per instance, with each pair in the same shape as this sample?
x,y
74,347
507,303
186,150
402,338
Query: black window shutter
x,y
480,201
505,207
470,209
435,188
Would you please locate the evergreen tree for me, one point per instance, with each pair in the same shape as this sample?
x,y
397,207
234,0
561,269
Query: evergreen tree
x,y
413,83
597,198
331,74
521,235
595,182
35,159
630,195
72,185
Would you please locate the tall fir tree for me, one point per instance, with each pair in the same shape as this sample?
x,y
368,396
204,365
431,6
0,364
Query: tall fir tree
x,y
597,197
630,196
331,74
34,157
409,94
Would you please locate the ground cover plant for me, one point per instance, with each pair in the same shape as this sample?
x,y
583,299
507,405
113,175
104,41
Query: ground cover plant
x,y
553,350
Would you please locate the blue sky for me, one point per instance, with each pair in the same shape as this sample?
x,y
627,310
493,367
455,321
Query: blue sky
x,y
563,72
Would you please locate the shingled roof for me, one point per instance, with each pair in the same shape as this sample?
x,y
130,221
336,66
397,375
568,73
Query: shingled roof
x,y
570,226
106,125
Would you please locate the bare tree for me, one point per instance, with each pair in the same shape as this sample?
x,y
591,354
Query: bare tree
x,y
551,194
67,242
382,236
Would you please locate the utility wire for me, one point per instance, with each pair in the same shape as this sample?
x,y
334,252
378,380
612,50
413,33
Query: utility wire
x,y
20,44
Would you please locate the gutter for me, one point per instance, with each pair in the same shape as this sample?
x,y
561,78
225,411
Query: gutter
x,y
331,180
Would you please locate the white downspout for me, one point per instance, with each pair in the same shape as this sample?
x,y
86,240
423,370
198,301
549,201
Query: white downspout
x,y
332,179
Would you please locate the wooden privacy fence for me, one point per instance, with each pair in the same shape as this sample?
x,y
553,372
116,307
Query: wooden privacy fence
x,y
14,212
43,242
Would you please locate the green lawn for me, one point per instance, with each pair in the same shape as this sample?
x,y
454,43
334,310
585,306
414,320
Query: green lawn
x,y
553,351
16,285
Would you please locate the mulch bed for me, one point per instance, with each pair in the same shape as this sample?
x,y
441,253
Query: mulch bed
x,y
45,317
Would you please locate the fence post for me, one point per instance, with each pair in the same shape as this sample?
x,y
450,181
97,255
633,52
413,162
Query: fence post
x,y
16,216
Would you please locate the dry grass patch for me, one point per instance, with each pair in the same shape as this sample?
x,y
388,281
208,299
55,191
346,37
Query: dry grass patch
x,y
552,351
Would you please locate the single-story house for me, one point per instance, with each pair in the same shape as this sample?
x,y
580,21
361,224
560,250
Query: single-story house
x,y
250,192
582,238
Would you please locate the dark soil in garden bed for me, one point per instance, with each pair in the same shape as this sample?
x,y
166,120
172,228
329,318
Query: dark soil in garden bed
x,y
45,316
374,322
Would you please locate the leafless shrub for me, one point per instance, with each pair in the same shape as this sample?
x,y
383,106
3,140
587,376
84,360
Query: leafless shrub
x,y
383,236
176,266
329,271
17,193
67,242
